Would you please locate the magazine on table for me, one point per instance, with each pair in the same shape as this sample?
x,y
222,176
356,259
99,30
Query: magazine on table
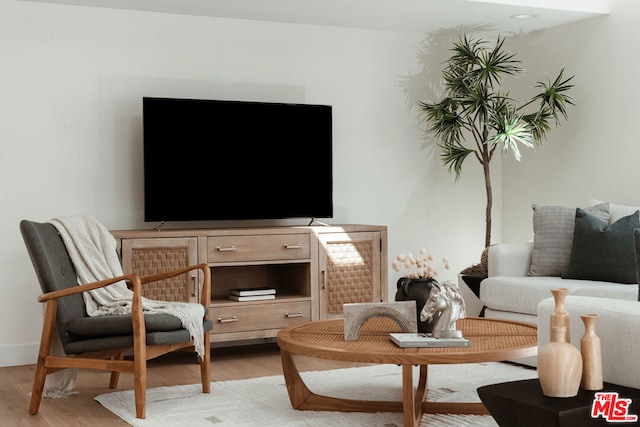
x,y
426,340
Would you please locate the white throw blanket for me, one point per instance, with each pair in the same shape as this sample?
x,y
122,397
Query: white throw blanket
x,y
93,252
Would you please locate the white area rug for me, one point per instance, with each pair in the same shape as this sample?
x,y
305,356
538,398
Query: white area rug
x,y
264,401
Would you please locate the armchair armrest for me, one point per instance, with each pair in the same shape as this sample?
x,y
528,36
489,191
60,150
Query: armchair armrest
x,y
131,279
510,259
51,298
205,295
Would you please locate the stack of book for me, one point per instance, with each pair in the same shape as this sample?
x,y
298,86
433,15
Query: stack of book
x,y
252,294
424,340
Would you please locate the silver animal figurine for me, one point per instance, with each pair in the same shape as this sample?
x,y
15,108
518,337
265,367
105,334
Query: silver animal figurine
x,y
445,298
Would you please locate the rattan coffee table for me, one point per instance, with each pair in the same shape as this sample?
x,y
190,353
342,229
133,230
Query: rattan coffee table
x,y
491,341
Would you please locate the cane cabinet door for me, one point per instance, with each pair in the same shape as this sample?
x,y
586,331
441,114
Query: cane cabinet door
x,y
150,256
350,270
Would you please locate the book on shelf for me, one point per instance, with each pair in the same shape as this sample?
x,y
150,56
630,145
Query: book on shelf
x,y
424,340
251,297
243,292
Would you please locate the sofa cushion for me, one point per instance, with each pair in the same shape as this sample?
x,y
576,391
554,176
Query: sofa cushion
x,y
603,251
522,294
615,211
553,237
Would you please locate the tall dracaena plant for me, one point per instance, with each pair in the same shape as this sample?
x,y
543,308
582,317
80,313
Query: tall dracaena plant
x,y
478,117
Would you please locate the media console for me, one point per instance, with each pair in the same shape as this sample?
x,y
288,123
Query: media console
x,y
314,269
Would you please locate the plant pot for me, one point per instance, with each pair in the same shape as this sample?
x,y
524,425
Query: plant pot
x,y
418,290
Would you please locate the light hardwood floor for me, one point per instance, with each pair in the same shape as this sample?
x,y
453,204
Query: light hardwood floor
x,y
228,363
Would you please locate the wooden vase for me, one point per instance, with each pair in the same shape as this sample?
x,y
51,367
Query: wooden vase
x,y
591,354
560,317
559,366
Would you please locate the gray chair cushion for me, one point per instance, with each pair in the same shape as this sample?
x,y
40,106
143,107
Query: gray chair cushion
x,y
102,326
125,341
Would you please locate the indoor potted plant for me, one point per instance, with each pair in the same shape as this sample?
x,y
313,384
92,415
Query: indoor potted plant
x,y
477,118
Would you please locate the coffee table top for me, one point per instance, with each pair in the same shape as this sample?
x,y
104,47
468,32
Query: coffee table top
x,y
491,340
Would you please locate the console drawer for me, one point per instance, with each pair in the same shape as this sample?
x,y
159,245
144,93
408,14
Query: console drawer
x,y
258,247
255,316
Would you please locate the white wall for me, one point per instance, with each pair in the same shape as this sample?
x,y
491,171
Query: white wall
x,y
72,79
595,154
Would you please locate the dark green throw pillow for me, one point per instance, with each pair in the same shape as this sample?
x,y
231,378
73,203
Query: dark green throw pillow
x,y
603,251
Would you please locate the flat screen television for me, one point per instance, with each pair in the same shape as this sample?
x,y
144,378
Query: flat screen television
x,y
209,160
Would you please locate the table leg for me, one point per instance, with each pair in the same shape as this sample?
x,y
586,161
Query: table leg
x,y
412,399
304,399
413,403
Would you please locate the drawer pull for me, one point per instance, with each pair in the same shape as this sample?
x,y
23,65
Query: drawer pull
x,y
288,246
228,320
226,248
291,315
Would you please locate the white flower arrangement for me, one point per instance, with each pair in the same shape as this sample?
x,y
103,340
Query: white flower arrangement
x,y
418,267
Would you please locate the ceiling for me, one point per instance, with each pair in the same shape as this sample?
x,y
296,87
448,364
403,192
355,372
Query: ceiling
x,y
386,15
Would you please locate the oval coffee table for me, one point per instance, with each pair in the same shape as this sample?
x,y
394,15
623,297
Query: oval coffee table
x,y
491,341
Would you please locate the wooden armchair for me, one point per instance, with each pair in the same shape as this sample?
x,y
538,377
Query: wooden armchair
x,y
101,342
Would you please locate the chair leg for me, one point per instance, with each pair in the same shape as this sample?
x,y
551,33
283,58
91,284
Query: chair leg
x,y
140,381
115,375
140,391
46,339
38,387
205,366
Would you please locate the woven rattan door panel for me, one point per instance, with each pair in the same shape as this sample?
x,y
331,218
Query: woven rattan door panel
x,y
350,272
153,256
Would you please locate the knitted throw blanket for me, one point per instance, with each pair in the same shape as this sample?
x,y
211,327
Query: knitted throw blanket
x,y
93,251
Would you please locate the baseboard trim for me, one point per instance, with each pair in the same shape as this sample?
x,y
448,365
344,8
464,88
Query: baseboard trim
x,y
18,354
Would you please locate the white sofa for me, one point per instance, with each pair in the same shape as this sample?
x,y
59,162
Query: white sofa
x,y
511,293
618,327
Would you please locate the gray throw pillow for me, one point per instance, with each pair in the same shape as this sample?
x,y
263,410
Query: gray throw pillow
x,y
553,237
603,251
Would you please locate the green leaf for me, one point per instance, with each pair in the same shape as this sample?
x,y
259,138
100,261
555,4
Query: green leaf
x,y
454,156
554,96
496,63
539,123
444,122
513,131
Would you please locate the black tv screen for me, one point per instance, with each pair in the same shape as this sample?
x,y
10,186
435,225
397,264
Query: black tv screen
x,y
235,160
